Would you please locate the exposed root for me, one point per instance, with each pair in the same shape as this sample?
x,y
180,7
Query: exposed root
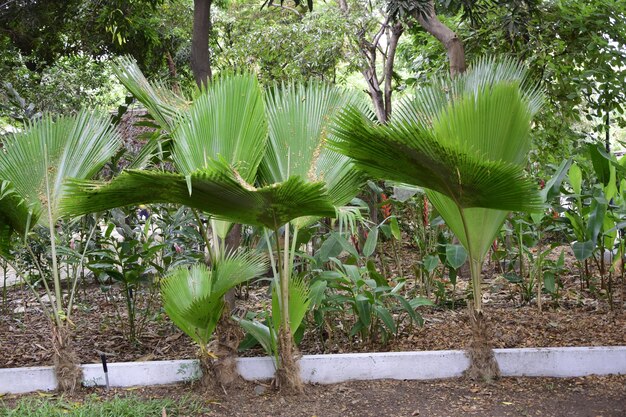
x,y
483,365
288,373
68,373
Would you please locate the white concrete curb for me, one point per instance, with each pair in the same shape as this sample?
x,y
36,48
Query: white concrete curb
x,y
328,369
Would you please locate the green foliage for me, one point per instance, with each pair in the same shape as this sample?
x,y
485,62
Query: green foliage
x,y
193,298
466,140
128,406
217,190
266,333
51,150
279,45
377,308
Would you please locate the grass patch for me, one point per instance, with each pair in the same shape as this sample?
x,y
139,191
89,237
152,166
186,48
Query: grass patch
x,y
94,406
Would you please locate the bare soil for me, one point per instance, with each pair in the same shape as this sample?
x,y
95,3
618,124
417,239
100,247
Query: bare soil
x,y
590,396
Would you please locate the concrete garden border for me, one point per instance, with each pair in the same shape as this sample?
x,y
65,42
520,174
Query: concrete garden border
x,y
328,369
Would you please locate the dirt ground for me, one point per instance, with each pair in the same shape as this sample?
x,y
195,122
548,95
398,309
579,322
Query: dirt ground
x,y
590,396
100,327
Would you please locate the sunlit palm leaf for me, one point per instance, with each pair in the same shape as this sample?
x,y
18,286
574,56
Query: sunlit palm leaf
x,y
452,156
300,119
466,140
39,160
217,190
14,216
227,121
162,104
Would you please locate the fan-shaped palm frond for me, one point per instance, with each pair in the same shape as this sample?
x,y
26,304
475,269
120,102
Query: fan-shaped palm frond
x,y
227,121
193,298
300,120
299,301
217,189
39,160
466,140
453,156
162,103
14,216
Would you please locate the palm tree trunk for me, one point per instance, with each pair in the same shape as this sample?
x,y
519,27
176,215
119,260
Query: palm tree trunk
x,y
288,370
483,365
68,373
228,334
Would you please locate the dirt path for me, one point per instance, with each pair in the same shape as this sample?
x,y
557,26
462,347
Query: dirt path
x,y
590,396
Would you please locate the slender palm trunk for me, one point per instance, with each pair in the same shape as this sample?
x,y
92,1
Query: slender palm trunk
x,y
288,370
483,365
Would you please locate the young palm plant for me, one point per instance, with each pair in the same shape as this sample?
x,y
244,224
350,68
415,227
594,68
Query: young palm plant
x,y
467,141
33,168
194,300
300,120
295,170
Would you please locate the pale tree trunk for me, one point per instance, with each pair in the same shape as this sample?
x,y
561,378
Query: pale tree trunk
x,y
200,59
454,47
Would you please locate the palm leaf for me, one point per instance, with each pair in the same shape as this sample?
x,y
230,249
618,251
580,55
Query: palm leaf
x,y
237,268
466,140
14,216
185,294
452,157
227,121
300,120
50,150
217,190
163,105
299,301
193,298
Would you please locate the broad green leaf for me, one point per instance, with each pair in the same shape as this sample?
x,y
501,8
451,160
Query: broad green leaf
x,y
575,178
549,282
386,318
583,250
370,242
430,263
553,185
455,255
596,220
395,228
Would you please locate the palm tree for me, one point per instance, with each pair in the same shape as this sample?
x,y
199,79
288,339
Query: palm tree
x,y
33,170
194,300
219,142
300,120
467,141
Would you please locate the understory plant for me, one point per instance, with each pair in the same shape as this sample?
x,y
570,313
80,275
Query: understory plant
x,y
466,140
194,299
34,166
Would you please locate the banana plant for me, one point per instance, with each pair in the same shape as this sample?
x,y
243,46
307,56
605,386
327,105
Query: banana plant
x,y
34,166
466,140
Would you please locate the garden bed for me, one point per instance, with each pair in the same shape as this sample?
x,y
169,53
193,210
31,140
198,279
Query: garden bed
x,y
100,323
